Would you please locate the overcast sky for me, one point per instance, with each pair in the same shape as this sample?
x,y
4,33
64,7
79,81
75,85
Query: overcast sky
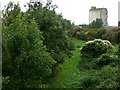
x,y
78,10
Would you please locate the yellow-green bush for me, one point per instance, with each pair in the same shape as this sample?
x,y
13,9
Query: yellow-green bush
x,y
95,48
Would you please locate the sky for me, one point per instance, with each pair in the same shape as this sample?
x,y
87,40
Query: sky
x,y
78,10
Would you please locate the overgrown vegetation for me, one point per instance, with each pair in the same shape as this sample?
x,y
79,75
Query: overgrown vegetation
x,y
88,34
23,51
43,50
95,48
98,23
34,43
106,64
54,29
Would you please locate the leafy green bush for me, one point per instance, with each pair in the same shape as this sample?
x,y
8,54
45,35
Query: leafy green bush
x,y
109,77
95,48
90,82
99,32
117,37
25,60
104,77
87,82
110,72
108,83
81,35
87,63
107,59
112,35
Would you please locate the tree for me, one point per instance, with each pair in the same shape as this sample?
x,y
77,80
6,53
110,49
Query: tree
x,y
10,12
25,60
96,24
54,29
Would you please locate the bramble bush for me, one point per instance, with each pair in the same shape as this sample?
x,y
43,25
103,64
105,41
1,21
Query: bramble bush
x,y
107,59
82,36
95,48
87,34
25,60
112,35
90,82
106,77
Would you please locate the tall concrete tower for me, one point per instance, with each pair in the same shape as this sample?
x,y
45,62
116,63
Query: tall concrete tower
x,y
100,13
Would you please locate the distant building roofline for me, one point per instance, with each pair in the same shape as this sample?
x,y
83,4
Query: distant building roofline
x,y
93,8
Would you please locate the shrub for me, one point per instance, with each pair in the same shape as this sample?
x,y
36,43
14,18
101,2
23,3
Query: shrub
x,y
87,63
100,32
112,35
25,60
110,72
117,37
81,35
108,83
107,59
109,77
73,31
87,82
95,48
90,82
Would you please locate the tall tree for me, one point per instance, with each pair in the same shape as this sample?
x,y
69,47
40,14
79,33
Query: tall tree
x,y
98,23
25,60
10,12
54,29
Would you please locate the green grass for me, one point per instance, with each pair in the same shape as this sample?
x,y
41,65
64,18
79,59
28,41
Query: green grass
x,y
115,48
68,71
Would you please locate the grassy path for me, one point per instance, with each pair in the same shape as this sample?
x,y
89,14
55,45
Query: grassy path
x,y
68,72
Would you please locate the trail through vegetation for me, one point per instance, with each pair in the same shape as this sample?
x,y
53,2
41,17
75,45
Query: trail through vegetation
x,y
68,71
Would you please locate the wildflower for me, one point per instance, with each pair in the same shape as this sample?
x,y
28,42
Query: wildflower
x,y
109,85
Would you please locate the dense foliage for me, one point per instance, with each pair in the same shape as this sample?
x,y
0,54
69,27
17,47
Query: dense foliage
x,y
95,48
88,34
24,56
32,43
98,23
105,67
54,28
107,59
10,12
35,42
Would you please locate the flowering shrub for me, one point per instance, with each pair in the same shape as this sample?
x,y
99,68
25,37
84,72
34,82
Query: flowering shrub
x,y
95,48
108,83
